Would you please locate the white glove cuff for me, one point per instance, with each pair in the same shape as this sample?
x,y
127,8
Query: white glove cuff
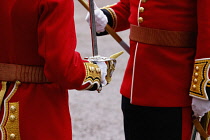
x,y
200,107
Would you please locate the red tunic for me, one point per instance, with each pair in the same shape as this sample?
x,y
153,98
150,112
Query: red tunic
x,y
161,76
41,33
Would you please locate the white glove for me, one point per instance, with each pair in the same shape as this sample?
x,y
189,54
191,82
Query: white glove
x,y
200,107
100,19
102,65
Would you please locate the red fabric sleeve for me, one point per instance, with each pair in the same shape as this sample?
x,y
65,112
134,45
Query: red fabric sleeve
x,y
203,16
57,43
122,11
200,85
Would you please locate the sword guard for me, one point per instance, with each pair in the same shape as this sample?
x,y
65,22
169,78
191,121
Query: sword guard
x,y
98,58
102,58
109,61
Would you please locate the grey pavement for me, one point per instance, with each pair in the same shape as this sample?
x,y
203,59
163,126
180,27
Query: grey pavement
x,y
98,116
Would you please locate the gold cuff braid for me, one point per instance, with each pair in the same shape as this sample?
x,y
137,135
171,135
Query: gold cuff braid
x,y
200,79
113,15
110,69
92,78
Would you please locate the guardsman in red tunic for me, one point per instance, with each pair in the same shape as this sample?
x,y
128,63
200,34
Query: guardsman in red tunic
x,y
38,63
169,58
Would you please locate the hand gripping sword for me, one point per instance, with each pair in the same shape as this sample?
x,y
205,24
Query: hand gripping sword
x,y
96,58
109,30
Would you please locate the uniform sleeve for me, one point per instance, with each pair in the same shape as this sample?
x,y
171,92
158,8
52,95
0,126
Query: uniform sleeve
x,y
57,43
200,86
118,15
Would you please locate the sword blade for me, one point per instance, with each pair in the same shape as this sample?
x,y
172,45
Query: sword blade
x,y
193,136
125,46
93,28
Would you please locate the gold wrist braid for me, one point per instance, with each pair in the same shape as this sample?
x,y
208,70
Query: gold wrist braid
x,y
93,75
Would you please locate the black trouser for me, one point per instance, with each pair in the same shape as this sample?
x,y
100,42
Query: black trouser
x,y
151,123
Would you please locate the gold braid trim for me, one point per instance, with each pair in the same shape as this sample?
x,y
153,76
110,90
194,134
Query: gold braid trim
x,y
3,91
200,79
208,84
12,124
113,14
93,75
10,121
110,69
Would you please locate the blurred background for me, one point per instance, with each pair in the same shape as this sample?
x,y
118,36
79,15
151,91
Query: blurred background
x,y
98,116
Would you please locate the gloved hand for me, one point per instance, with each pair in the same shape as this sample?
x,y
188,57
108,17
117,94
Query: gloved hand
x,y
98,72
100,19
200,107
102,65
106,65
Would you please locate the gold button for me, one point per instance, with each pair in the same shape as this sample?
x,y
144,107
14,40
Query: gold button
x,y
141,19
195,80
196,74
141,9
194,86
12,136
197,68
144,1
12,118
12,108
